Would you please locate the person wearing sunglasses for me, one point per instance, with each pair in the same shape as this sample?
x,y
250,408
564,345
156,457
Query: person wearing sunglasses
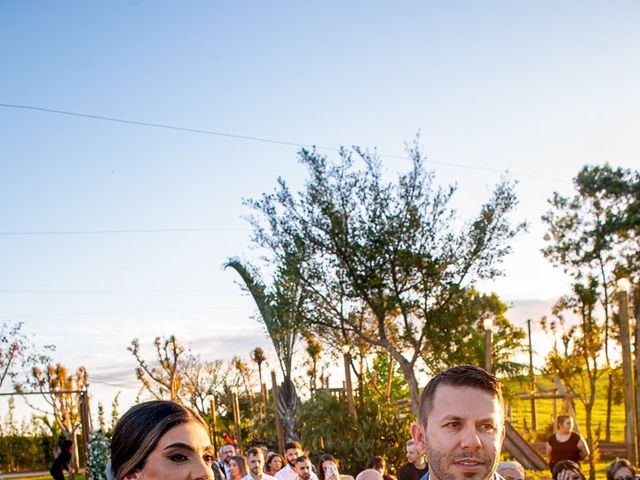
x,y
621,469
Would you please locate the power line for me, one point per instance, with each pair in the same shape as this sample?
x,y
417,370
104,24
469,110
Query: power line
x,y
46,291
118,232
258,139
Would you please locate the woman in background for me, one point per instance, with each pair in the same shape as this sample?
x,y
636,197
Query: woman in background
x,y
238,467
274,463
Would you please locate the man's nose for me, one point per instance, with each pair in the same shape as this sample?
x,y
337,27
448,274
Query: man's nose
x,y
470,439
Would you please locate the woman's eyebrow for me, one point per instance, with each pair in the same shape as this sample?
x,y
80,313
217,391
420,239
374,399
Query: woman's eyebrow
x,y
180,445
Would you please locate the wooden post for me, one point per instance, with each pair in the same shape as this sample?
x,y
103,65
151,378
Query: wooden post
x,y
387,393
627,379
236,419
488,354
347,378
532,379
636,310
274,394
85,422
214,423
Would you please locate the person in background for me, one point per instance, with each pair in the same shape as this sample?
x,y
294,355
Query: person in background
x,y
274,463
237,467
255,459
567,470
328,468
621,469
292,451
62,461
303,468
416,466
369,474
226,452
512,470
565,444
377,463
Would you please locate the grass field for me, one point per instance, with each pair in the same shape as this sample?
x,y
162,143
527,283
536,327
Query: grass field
x,y
521,411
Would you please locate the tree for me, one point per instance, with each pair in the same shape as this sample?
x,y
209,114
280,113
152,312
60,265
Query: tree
x,y
576,364
17,352
62,391
161,378
314,350
281,308
381,260
592,233
178,375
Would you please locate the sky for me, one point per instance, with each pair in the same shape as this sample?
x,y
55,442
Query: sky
x,y
111,231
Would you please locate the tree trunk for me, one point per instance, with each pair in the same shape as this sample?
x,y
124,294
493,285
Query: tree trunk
x,y
410,378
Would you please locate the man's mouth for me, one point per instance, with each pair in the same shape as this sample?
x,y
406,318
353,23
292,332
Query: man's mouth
x,y
469,464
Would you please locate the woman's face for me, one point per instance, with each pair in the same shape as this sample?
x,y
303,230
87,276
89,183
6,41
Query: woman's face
x,y
275,463
234,468
623,473
330,469
567,425
182,453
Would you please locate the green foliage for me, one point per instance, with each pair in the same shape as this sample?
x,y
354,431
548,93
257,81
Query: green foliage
x,y
98,456
327,427
377,380
382,260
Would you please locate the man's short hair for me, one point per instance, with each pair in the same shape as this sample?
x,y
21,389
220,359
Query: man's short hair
x,y
458,376
514,465
561,419
290,445
255,451
410,443
301,458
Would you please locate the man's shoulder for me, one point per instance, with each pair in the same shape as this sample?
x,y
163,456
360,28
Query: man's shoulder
x,y
266,476
285,472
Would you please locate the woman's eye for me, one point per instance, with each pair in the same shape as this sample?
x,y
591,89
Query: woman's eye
x,y
207,457
178,457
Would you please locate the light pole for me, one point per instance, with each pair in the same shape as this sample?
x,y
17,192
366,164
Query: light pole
x,y
627,372
487,323
347,380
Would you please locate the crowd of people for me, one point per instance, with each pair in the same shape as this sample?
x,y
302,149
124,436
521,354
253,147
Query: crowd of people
x,y
459,430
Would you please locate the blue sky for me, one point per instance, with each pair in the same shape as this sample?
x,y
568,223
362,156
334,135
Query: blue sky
x,y
535,88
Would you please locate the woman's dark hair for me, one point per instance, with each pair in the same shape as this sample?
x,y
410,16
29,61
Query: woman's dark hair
x,y
377,463
270,457
66,445
567,465
138,431
617,465
326,457
242,464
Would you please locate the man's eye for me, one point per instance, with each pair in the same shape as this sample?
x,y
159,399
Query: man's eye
x,y
453,425
488,427
207,457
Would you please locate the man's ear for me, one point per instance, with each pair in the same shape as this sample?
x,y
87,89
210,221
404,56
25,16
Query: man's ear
x,y
418,435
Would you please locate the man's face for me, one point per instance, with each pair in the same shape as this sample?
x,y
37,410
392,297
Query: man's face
x,y
413,455
292,454
303,469
226,452
463,434
256,464
511,474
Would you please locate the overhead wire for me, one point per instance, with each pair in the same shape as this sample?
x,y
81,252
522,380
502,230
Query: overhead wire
x,y
257,139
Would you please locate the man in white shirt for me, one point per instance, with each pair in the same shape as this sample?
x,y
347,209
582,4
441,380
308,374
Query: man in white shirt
x,y
255,457
226,452
303,468
292,451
